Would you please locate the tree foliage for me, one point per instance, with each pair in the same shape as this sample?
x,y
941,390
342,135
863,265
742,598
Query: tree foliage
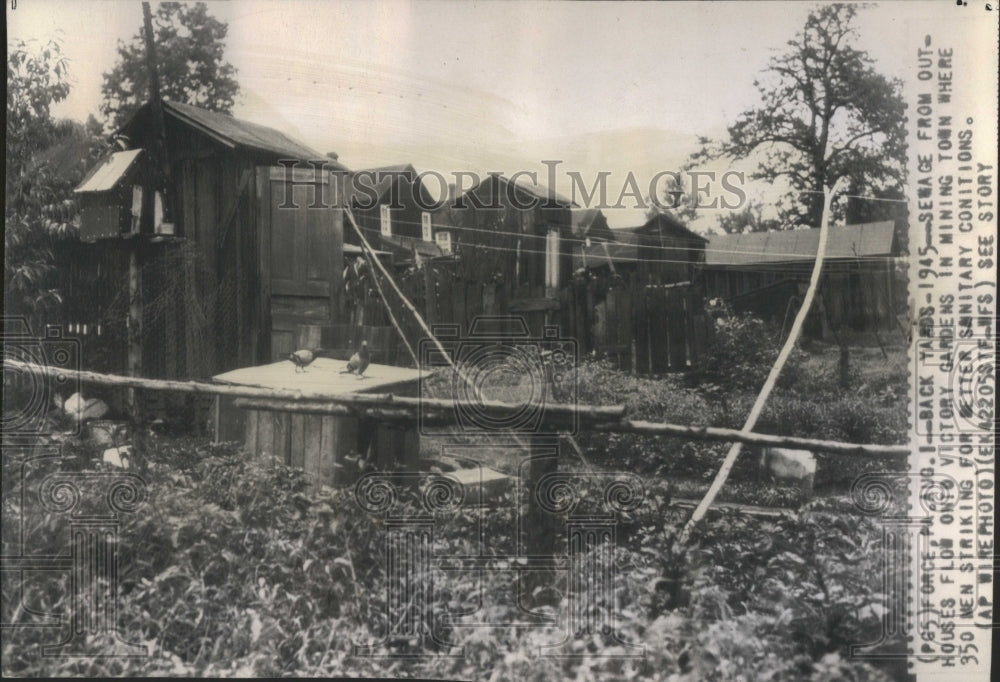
x,y
824,113
45,159
190,63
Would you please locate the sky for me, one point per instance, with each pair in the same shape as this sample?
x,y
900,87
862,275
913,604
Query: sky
x,y
481,86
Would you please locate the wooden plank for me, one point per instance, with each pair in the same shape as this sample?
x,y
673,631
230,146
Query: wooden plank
x,y
297,440
328,455
265,435
527,305
282,437
677,325
251,439
264,264
659,332
290,287
231,422
312,446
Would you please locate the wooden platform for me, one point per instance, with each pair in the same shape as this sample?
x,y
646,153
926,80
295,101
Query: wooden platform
x,y
318,443
324,375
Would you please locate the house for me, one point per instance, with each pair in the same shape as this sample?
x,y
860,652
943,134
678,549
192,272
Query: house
x,y
395,211
515,241
667,252
768,272
234,247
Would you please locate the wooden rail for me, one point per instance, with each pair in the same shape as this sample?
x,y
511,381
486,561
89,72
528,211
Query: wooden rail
x,y
439,412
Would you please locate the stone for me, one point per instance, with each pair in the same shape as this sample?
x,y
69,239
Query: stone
x,y
790,467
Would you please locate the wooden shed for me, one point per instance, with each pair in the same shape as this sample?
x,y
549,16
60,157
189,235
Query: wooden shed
x,y
251,249
393,207
767,272
516,239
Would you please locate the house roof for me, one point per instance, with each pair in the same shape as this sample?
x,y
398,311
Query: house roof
x,y
844,241
109,172
380,179
590,222
535,189
234,132
541,191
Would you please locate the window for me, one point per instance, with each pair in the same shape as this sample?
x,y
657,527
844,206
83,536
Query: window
x,y
443,239
425,227
386,221
552,259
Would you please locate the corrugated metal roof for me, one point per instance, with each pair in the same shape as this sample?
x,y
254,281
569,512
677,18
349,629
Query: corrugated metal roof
x,y
106,174
844,241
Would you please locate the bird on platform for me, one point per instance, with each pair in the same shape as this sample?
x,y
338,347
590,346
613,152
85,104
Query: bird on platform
x,y
359,361
303,358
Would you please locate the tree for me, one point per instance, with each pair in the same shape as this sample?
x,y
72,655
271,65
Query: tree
x,y
824,113
190,64
750,219
38,208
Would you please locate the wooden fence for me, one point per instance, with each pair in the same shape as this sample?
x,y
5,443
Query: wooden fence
x,y
652,329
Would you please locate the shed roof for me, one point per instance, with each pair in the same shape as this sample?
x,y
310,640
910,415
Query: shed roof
x,y
234,132
109,172
844,241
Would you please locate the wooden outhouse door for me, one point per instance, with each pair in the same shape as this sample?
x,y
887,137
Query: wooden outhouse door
x,y
302,242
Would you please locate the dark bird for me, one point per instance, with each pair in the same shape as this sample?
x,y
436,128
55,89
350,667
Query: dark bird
x,y
304,357
359,361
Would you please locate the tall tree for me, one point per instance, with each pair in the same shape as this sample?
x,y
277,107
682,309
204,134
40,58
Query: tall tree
x,y
824,113
190,45
45,159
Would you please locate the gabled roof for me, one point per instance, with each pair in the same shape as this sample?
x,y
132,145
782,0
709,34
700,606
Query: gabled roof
x,y
844,241
234,132
590,222
364,181
541,191
109,172
534,189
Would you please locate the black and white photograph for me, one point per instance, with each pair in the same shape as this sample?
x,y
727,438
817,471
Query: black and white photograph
x,y
500,340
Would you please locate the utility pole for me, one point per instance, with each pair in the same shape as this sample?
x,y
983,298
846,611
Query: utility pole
x,y
134,323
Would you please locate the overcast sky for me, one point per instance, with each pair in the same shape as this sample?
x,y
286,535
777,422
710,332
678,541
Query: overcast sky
x,y
481,85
